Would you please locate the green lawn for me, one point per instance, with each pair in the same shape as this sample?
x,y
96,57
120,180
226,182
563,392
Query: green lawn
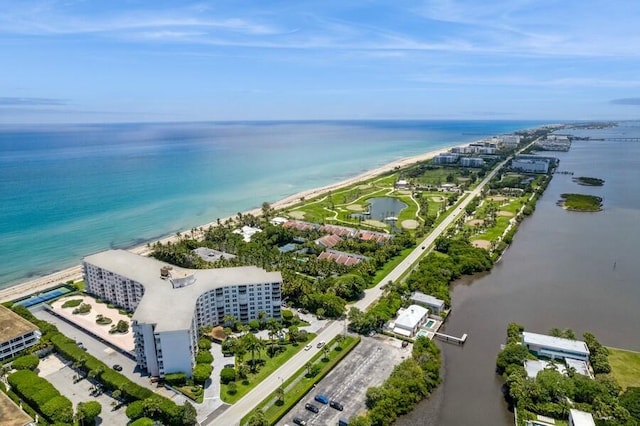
x,y
271,365
625,366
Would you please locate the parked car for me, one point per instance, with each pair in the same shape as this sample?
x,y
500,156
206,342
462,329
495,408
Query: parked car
x,y
343,421
320,344
321,398
299,421
229,366
311,407
117,367
336,405
306,348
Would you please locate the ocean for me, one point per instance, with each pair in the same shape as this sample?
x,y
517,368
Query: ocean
x,y
72,190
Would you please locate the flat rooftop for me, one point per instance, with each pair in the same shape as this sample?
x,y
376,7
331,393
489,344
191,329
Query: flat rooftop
x,y
168,307
11,414
576,346
13,325
426,298
581,418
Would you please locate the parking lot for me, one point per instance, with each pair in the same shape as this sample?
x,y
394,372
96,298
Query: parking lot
x,y
369,364
61,375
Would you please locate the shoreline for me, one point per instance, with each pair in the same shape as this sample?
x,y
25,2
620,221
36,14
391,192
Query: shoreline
x,y
36,285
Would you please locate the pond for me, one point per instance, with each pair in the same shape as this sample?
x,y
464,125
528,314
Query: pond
x,y
382,208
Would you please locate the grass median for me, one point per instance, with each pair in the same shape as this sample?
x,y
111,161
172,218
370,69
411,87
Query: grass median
x,y
271,364
297,386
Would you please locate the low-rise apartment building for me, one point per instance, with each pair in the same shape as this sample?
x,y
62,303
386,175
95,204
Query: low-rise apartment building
x,y
16,333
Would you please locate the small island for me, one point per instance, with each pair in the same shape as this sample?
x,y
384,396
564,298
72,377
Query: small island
x,y
588,181
580,202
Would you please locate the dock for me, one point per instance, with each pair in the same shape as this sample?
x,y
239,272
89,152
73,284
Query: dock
x,y
453,339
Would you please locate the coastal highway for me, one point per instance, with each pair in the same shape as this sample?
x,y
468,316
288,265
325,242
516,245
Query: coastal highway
x,y
234,414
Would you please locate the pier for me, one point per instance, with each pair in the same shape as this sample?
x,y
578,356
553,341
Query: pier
x,y
453,339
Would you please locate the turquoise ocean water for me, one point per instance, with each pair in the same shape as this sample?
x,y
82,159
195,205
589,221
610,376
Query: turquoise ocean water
x,y
71,190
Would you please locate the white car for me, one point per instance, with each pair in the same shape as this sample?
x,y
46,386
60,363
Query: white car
x,y
320,344
306,348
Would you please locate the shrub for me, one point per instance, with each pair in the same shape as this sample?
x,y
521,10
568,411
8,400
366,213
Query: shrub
x,y
204,357
204,344
88,411
72,303
102,320
82,309
227,375
27,362
202,372
287,317
314,370
135,410
142,421
121,327
41,394
175,379
254,324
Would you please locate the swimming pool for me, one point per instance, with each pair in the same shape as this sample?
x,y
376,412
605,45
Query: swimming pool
x,y
430,323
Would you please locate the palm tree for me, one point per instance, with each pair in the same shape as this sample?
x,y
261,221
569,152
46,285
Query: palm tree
x,y
280,393
243,371
262,318
339,339
325,349
229,320
253,344
272,327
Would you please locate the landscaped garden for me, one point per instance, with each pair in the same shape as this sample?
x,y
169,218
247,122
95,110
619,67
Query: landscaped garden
x,y
265,358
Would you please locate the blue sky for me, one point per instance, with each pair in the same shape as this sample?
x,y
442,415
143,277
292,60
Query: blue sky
x,y
95,61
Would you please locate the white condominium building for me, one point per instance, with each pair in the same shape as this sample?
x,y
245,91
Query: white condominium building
x,y
171,303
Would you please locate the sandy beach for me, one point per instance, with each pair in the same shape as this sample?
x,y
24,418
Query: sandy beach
x,y
75,273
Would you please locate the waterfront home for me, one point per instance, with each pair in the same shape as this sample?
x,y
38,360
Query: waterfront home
x,y
533,367
409,320
247,232
434,304
16,333
555,347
